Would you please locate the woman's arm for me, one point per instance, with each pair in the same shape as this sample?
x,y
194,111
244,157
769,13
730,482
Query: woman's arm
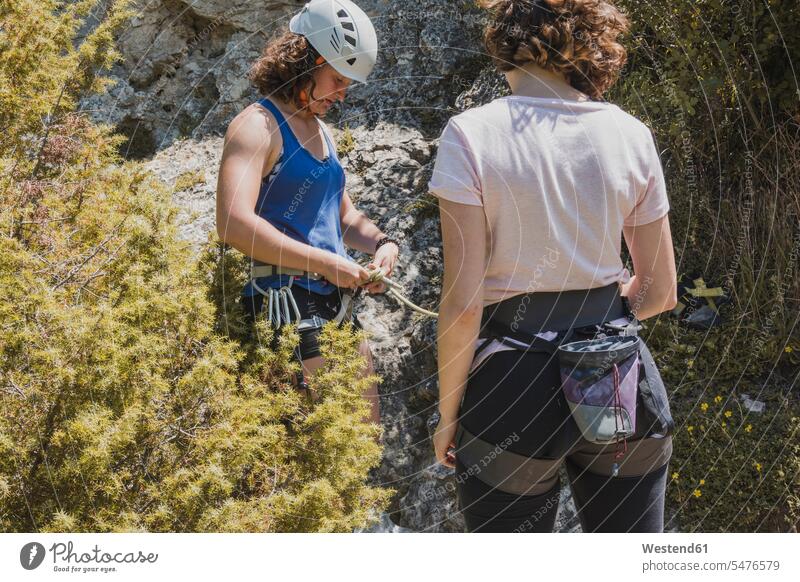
x,y
358,231
247,144
463,238
653,288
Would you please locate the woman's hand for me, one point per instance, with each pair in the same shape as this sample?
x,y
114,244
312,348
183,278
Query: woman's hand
x,y
384,259
444,439
344,272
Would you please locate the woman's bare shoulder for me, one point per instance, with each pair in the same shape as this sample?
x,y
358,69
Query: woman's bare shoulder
x,y
253,123
254,131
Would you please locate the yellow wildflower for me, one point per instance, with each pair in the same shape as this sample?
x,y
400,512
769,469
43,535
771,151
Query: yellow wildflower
x,y
724,424
748,428
690,428
788,349
728,413
697,493
702,481
704,406
675,476
758,467
717,398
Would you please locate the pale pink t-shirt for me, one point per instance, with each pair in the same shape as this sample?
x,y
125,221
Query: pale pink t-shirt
x,y
557,180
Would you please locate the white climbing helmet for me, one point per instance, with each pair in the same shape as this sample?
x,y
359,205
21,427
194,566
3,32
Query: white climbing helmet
x,y
341,33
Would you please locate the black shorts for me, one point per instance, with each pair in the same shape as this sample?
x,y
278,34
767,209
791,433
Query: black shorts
x,y
325,307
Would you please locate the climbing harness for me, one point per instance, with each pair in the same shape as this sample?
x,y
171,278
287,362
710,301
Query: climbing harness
x,y
278,302
614,368
394,289
281,307
602,403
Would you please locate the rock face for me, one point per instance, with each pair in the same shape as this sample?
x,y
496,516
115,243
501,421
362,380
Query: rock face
x,y
185,66
184,78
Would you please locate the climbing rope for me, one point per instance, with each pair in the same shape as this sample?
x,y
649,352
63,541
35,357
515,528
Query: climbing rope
x,y
393,288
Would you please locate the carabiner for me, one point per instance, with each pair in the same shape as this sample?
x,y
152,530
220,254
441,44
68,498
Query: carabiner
x,y
269,308
631,328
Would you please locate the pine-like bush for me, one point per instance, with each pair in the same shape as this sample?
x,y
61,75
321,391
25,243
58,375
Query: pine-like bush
x,y
125,403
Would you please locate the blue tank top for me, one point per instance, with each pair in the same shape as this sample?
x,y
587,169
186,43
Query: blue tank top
x,y
302,198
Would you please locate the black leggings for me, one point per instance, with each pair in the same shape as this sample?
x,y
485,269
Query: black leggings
x,y
498,403
605,504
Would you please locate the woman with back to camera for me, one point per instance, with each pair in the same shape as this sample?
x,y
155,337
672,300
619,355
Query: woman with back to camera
x,y
281,196
536,190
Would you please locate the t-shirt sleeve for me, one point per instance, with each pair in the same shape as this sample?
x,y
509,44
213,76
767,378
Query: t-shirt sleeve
x,y
652,203
455,173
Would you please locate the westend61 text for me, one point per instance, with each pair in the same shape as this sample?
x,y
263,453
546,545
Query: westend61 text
x,y
674,549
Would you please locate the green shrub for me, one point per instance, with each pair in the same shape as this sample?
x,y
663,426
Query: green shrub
x,y
125,404
346,142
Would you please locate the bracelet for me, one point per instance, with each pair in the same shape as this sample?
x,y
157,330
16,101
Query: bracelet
x,y
384,240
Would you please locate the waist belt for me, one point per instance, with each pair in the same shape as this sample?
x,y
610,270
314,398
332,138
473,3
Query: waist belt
x,y
520,318
282,308
523,316
257,271
557,310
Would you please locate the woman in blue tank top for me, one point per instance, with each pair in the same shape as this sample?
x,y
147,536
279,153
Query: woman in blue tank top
x,y
281,196
302,197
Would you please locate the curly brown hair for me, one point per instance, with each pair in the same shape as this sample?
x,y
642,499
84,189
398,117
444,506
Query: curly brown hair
x,y
285,68
576,38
